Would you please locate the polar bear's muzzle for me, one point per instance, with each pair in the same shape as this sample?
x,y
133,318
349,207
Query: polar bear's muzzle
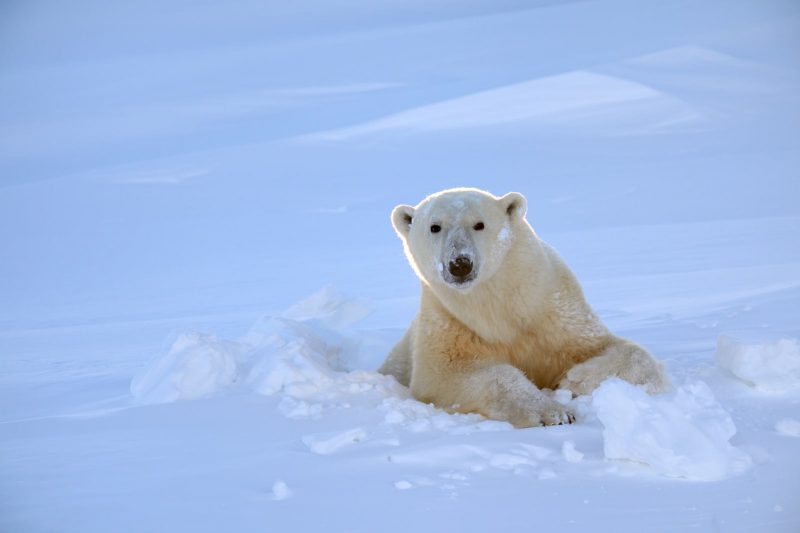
x,y
460,267
461,271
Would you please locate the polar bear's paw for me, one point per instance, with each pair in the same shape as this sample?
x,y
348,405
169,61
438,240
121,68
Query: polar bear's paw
x,y
585,377
555,414
541,413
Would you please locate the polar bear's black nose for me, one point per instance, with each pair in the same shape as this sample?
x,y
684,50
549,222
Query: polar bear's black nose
x,y
460,267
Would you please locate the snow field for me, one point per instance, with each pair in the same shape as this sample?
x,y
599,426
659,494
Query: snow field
x,y
189,166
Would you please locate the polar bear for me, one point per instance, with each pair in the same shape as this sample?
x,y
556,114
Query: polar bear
x,y
501,316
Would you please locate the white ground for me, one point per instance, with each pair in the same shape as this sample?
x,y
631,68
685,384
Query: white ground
x,y
198,276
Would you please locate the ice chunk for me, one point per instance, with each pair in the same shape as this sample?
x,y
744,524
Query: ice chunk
x,y
684,434
770,367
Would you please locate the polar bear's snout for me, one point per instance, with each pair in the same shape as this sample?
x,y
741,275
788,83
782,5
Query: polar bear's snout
x,y
461,270
460,267
459,258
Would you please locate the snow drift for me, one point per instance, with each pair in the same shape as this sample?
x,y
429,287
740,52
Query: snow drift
x,y
301,352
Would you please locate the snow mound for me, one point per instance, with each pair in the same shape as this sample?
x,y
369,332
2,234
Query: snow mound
x,y
304,357
684,434
196,365
302,352
773,367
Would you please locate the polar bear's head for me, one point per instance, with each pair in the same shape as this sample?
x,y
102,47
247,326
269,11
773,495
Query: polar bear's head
x,y
459,237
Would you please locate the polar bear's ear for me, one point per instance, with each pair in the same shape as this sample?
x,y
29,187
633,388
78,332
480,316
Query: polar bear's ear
x,y
514,204
402,215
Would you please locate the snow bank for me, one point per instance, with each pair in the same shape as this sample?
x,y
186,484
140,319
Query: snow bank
x,y
771,367
301,352
684,434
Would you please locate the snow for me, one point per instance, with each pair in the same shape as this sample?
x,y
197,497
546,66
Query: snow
x,y
199,276
789,427
196,365
403,485
327,444
302,357
771,366
280,491
685,434
570,453
504,234
296,352
329,308
579,99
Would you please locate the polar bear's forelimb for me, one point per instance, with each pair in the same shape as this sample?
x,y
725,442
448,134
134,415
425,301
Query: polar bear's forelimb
x,y
623,359
498,391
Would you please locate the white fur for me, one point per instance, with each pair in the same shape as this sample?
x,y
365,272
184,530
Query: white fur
x,y
489,344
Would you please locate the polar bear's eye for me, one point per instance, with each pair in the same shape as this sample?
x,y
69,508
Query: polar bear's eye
x,y
479,226
436,228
